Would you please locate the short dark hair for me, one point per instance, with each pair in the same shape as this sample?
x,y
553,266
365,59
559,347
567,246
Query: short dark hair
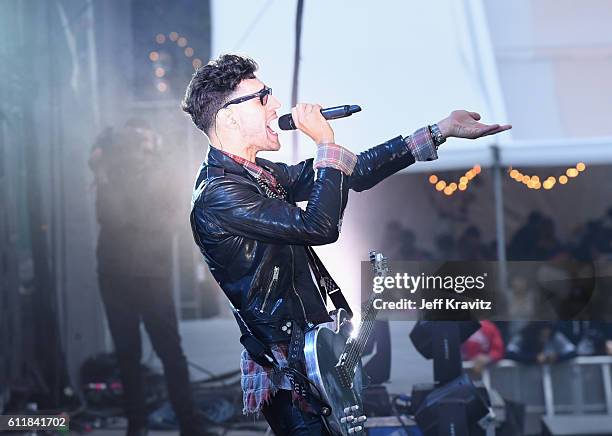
x,y
211,86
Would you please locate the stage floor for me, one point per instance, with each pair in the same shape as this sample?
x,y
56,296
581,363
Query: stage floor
x,y
213,344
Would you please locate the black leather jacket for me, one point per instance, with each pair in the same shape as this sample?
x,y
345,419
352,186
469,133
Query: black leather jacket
x,y
255,246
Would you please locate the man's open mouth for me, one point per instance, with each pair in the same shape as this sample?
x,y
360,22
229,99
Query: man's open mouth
x,y
272,125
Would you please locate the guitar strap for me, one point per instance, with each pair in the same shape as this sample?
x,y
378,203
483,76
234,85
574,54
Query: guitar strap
x,y
326,284
295,360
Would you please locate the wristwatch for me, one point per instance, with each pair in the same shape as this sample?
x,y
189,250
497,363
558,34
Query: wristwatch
x,y
437,135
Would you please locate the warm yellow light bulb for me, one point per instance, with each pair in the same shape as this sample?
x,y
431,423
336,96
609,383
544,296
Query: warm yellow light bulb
x,y
571,172
433,179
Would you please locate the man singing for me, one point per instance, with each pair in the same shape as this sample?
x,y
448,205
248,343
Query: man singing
x,y
253,236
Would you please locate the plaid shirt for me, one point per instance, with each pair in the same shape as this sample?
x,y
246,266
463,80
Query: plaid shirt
x,y
260,384
421,145
254,169
335,156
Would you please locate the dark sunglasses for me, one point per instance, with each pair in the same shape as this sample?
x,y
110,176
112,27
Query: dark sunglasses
x,y
263,97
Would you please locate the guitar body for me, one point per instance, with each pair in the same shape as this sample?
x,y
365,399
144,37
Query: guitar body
x,y
323,348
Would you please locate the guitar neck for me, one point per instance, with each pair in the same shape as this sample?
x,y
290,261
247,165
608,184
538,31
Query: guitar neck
x,y
354,348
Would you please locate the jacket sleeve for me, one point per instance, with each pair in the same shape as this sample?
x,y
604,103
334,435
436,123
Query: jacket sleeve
x,y
239,209
373,166
378,163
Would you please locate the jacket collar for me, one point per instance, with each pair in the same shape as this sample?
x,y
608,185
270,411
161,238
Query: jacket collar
x,y
217,158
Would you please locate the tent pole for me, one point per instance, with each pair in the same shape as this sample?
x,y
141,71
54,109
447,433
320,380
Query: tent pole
x,y
499,218
296,69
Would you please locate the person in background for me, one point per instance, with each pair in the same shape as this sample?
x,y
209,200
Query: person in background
x,y
446,247
409,249
135,206
483,348
470,246
540,342
592,338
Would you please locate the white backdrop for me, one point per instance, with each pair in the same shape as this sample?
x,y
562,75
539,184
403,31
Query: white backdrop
x,y
409,63
406,63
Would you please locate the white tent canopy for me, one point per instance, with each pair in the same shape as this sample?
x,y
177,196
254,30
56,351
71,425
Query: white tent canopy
x,y
406,63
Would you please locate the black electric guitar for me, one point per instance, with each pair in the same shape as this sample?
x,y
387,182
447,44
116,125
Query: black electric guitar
x,y
333,362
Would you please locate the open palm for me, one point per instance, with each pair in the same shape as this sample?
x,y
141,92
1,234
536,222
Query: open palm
x,y
464,124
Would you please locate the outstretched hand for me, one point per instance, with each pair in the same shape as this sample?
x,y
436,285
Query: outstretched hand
x,y
464,124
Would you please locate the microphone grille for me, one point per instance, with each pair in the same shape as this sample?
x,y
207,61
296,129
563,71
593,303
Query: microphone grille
x,y
286,122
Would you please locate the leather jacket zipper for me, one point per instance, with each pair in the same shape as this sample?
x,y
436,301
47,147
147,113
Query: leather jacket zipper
x,y
270,287
293,287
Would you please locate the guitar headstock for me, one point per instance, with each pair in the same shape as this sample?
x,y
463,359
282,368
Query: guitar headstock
x,y
380,264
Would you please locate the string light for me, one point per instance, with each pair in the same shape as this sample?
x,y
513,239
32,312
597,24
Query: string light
x,y
449,188
533,182
154,56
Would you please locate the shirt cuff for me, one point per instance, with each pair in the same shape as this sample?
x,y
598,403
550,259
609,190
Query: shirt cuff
x,y
335,156
421,145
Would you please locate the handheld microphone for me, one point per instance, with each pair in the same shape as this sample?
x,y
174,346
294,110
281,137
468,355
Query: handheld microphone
x,y
331,113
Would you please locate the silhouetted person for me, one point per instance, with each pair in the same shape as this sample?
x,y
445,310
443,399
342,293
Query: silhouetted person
x,y
470,246
135,206
409,249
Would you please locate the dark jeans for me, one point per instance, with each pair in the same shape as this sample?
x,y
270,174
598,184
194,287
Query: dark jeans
x,y
285,419
127,301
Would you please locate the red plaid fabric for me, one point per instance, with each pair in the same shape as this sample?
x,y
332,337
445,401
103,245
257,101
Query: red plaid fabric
x,y
254,169
260,384
421,145
335,156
